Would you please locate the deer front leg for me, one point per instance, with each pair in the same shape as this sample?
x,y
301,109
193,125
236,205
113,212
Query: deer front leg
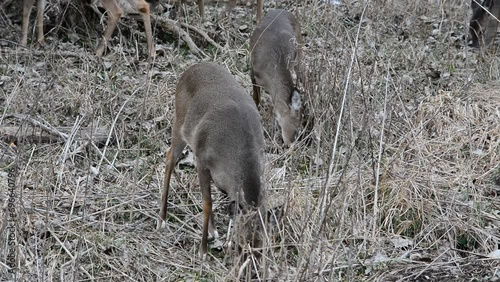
x,y
40,6
27,5
114,14
143,8
260,7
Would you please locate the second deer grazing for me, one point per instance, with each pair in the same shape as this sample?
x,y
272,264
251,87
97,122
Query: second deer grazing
x,y
483,26
274,51
115,9
220,123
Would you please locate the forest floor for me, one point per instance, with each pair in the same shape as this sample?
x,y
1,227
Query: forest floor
x,y
396,176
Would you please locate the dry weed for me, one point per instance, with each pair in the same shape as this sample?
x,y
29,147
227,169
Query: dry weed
x,y
395,178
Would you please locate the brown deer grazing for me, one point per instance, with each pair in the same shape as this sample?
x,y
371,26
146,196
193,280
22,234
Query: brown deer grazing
x,y
275,49
115,9
483,26
220,123
229,7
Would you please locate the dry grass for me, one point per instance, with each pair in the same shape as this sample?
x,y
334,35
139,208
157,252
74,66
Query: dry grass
x,y
396,178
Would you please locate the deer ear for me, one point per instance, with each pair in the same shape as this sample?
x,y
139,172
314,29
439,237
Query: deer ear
x,y
296,103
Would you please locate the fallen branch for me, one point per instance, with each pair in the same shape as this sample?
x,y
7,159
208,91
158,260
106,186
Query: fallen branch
x,y
47,133
46,127
21,50
203,34
177,30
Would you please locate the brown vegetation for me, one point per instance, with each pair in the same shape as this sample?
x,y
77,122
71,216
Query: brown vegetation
x,y
396,176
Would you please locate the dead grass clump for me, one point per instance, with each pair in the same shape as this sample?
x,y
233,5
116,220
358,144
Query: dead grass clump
x,y
441,177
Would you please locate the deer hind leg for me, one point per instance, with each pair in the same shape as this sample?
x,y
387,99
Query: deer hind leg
x,y
114,14
173,155
477,19
492,25
27,5
143,8
201,8
260,7
256,89
204,178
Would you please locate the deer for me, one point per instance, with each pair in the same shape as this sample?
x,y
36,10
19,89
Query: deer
x,y
221,124
275,49
115,9
483,26
229,7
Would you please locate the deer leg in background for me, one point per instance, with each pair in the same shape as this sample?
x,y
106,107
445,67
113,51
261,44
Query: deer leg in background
x,y
491,27
260,7
114,14
40,7
27,6
201,8
143,8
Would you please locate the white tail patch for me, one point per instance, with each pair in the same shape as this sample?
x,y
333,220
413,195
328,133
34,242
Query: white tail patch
x,y
296,103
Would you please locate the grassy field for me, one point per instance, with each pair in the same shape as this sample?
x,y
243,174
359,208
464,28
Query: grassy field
x,y
396,176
